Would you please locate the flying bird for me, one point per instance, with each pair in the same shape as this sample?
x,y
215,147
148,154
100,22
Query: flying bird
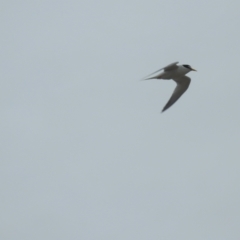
x,y
176,73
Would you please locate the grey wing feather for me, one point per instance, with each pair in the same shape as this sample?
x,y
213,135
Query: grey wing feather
x,y
182,85
171,66
167,68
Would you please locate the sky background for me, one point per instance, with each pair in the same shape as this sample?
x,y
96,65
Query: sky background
x,y
85,152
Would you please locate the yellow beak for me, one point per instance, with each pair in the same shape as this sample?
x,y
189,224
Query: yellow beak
x,y
194,70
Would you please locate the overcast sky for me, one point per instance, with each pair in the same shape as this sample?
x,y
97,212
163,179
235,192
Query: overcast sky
x,y
86,152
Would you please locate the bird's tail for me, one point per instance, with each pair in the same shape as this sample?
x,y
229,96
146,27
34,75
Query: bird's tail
x,y
150,78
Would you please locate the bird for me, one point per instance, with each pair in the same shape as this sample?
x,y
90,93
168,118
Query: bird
x,y
177,73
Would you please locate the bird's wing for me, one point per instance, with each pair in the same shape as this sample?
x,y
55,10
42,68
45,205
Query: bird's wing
x,y
182,85
171,66
167,68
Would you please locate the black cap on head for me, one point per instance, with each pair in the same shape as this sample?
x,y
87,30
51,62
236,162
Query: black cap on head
x,y
187,66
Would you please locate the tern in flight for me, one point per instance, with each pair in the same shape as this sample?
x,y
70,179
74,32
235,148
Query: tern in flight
x,y
176,73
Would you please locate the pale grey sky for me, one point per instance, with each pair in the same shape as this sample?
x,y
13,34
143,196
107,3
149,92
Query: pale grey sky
x,y
86,153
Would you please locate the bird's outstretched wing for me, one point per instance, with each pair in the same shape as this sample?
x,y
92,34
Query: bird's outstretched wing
x,y
167,68
182,85
170,66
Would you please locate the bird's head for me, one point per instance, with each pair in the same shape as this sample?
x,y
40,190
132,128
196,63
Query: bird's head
x,y
189,67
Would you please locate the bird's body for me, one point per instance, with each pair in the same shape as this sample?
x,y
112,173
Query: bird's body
x,y
177,73
171,74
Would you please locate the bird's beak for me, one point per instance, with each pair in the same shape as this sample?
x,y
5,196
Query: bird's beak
x,y
194,69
